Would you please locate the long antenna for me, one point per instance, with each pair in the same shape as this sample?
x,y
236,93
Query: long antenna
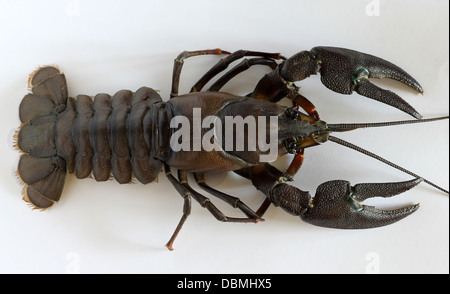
x,y
352,126
368,153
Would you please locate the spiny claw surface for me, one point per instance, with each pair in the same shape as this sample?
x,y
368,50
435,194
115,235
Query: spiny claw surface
x,y
337,205
344,71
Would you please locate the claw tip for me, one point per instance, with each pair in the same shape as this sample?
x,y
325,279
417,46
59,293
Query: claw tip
x,y
420,89
417,115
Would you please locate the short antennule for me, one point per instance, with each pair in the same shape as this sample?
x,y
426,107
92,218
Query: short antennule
x,y
353,126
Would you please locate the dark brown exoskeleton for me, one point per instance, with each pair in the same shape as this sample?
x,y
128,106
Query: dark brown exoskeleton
x,y
130,134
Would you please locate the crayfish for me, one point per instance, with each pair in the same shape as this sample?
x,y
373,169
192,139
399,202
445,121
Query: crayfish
x,y
137,134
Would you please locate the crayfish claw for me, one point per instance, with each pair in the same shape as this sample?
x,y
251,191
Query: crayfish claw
x,y
344,71
338,205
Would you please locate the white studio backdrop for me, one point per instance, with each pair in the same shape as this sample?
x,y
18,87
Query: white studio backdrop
x,y
106,46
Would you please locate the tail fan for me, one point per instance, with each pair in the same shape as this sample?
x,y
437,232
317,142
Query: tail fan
x,y
41,169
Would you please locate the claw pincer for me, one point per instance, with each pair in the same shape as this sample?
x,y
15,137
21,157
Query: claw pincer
x,y
343,71
338,205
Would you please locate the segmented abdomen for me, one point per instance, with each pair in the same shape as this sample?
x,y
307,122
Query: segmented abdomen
x,y
105,135
109,136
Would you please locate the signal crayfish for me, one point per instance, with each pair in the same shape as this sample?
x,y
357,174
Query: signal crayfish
x,y
138,134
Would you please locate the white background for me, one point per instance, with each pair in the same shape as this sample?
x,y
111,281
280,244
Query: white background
x,y
106,46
